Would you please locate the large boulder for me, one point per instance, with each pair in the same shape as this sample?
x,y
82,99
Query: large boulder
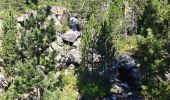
x,y
74,56
70,36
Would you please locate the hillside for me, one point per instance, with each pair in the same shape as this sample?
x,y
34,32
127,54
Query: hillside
x,y
84,50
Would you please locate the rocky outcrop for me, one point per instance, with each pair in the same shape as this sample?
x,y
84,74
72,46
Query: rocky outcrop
x,y
74,56
70,36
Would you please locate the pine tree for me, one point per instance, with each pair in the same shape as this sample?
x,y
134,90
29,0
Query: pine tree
x,y
36,36
9,49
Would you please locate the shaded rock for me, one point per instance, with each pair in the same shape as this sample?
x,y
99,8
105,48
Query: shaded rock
x,y
125,60
70,36
74,56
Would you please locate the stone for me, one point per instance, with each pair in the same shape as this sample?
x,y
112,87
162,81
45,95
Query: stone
x,y
135,73
1,25
53,16
70,36
26,95
59,40
167,76
74,56
53,46
77,43
57,10
116,89
3,82
126,60
2,63
22,18
125,86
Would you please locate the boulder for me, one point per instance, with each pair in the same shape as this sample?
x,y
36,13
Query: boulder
x,y
77,43
2,63
53,16
59,40
70,36
126,60
22,18
57,10
116,89
3,82
167,76
74,56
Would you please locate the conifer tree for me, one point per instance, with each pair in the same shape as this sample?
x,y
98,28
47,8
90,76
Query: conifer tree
x,y
36,36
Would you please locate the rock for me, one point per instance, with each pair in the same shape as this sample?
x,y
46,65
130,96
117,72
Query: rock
x,y
72,66
74,56
1,25
57,10
70,36
57,22
22,18
135,73
127,61
26,95
59,40
125,86
167,76
3,82
53,46
116,89
2,63
77,43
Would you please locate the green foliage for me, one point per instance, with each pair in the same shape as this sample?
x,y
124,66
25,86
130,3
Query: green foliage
x,y
154,62
91,84
9,44
28,76
35,38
